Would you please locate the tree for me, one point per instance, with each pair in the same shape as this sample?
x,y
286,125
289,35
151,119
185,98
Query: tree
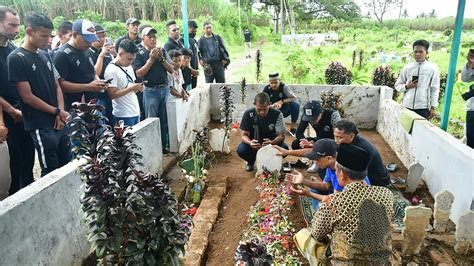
x,y
405,14
433,14
381,7
328,9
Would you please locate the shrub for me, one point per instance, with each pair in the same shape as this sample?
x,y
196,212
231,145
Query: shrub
x,y
383,76
337,74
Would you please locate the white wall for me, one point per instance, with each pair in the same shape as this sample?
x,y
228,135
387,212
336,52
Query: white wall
x,y
448,163
40,224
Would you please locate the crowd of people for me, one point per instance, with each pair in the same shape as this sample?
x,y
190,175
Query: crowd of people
x,y
132,79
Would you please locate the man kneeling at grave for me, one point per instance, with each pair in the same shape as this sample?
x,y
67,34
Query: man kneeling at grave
x,y
357,219
260,126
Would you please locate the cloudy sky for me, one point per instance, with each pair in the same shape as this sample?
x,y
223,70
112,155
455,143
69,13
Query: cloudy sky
x,y
444,8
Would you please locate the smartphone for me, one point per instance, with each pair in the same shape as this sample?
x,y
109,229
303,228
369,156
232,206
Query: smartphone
x,y
414,79
145,82
108,41
108,81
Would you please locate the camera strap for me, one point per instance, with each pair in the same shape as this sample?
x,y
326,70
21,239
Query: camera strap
x,y
126,73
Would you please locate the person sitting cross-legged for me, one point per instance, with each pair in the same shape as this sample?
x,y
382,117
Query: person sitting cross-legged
x,y
261,126
358,219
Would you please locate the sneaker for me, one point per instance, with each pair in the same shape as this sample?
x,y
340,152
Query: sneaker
x,y
249,167
286,167
293,132
313,168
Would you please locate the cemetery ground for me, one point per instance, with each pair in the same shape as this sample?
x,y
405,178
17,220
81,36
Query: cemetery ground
x,y
240,195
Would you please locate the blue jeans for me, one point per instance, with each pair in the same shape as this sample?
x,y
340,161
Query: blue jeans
x,y
154,101
293,109
248,154
314,202
127,121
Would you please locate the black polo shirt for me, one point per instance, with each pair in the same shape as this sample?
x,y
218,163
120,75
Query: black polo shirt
x,y
117,43
75,66
7,89
171,45
377,172
282,93
324,129
262,127
38,69
157,75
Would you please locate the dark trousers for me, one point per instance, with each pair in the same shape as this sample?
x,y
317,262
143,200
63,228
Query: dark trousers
x,y
106,102
293,109
470,128
218,73
52,147
422,112
22,155
194,82
249,155
141,104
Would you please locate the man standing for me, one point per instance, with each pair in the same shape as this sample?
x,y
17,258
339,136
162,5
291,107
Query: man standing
x,y
173,36
132,33
283,99
193,45
63,36
358,219
247,37
346,132
100,51
41,98
260,126
76,66
151,65
322,121
467,75
214,55
20,144
419,81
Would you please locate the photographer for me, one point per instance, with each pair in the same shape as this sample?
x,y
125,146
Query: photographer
x,y
419,81
260,126
467,75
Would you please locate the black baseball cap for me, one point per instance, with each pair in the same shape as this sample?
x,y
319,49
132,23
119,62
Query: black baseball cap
x,y
192,24
322,148
311,110
99,28
132,20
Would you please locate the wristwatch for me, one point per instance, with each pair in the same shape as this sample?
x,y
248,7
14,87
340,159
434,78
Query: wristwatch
x,y
57,111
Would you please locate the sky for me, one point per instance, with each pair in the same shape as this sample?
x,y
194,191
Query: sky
x,y
443,8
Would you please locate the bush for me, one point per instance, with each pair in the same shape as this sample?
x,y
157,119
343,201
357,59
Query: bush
x,y
383,76
337,74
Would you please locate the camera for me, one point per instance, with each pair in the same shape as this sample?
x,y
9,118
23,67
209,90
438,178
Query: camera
x,y
468,95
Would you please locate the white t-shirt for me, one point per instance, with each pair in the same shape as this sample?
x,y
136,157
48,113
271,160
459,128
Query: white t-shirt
x,y
176,80
127,105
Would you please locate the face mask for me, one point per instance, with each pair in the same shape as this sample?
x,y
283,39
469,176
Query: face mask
x,y
192,35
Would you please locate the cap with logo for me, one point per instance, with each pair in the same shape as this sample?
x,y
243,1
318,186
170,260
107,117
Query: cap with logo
x,y
311,110
148,30
85,28
353,157
132,20
274,76
192,24
322,148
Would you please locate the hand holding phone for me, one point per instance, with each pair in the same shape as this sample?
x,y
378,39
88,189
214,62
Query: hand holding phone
x,y
414,79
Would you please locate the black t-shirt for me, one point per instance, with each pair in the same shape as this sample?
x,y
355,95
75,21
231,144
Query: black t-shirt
x,y
193,45
260,127
276,95
247,36
377,172
7,89
172,45
137,41
38,69
107,59
324,129
157,75
75,66
188,79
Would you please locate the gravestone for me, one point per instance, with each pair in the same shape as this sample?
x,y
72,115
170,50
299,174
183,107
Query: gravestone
x,y
442,209
268,158
464,233
416,220
217,142
414,177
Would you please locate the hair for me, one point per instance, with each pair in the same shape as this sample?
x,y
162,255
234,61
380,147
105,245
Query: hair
x,y
169,23
4,10
262,98
347,126
65,27
207,22
36,20
423,43
128,46
353,174
186,51
174,53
